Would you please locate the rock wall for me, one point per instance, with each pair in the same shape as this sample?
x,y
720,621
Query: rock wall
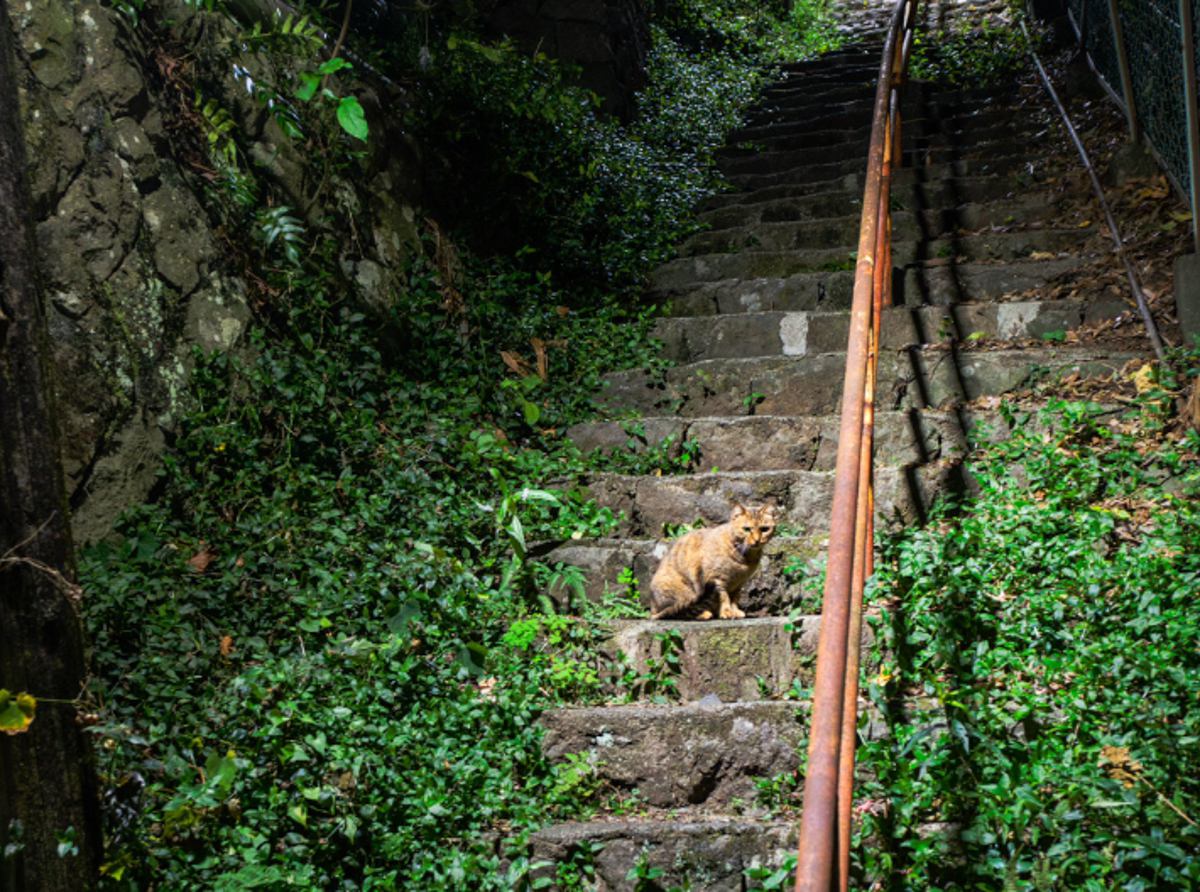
x,y
136,270
607,39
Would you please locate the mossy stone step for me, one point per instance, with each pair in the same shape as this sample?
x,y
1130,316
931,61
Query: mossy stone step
x,y
706,753
734,660
712,854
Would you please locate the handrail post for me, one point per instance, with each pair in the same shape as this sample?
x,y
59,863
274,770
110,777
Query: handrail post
x,y
1188,29
1118,33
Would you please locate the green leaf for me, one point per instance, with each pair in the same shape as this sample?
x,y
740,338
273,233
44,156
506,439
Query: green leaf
x,y
530,412
299,813
350,116
308,86
337,63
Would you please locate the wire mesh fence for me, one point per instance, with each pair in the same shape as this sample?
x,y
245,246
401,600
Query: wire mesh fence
x,y
1153,44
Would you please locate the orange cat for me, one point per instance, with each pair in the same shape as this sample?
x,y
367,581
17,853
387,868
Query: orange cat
x,y
703,573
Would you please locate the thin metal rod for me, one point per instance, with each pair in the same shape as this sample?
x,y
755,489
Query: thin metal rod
x,y
815,857
1138,296
1118,33
863,524
1188,27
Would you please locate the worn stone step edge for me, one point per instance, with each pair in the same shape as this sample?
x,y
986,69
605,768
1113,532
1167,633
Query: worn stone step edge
x,y
938,283
691,338
703,753
773,442
648,504
1021,244
783,235
819,176
917,378
911,186
851,132
728,660
711,854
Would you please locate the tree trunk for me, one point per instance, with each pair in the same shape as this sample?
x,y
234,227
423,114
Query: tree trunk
x,y
48,800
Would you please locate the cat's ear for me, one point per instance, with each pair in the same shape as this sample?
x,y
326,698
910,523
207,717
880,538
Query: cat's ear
x,y
737,510
771,510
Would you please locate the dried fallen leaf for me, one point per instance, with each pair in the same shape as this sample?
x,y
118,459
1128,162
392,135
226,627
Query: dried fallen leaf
x,y
201,559
515,364
1119,765
226,645
539,351
1143,378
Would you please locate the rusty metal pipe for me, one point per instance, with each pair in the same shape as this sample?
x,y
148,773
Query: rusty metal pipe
x,y
818,827
864,521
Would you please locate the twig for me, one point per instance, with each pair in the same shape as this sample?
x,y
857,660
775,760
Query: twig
x,y
341,38
30,537
72,590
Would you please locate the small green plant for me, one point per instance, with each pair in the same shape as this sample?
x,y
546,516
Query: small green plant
x,y
773,877
643,876
658,680
751,400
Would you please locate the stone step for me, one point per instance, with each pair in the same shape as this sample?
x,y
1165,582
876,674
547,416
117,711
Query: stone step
x,y
726,660
1032,208
707,853
801,113
1006,246
693,338
744,209
811,385
804,147
826,289
791,117
774,590
813,165
651,504
836,174
913,187
920,284
706,753
853,106
776,443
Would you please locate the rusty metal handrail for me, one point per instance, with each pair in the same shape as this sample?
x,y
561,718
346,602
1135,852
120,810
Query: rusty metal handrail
x,y
828,790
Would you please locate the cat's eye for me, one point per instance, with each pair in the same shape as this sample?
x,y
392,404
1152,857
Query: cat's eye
x,y
746,529
764,529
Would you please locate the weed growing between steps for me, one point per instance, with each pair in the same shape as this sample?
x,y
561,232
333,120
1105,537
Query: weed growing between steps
x,y
1041,673
319,655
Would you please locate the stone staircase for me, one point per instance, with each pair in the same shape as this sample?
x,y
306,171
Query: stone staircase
x,y
757,324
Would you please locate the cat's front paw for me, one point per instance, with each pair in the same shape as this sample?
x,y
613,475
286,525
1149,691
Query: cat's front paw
x,y
733,612
704,614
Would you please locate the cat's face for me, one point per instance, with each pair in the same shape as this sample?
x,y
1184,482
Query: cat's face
x,y
752,527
